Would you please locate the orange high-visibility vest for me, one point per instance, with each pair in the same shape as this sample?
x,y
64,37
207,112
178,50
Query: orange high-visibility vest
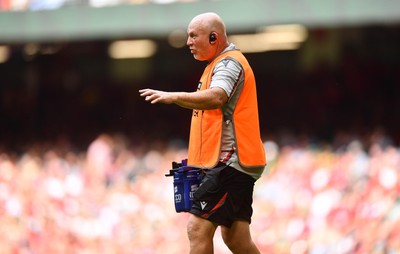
x,y
206,125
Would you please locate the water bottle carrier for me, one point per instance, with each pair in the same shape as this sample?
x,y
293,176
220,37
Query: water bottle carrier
x,y
186,182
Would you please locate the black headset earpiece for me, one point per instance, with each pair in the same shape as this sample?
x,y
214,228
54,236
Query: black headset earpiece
x,y
212,37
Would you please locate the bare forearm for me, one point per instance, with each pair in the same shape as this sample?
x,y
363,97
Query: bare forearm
x,y
206,99
196,100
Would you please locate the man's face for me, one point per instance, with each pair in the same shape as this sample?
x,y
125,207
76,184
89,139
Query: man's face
x,y
198,42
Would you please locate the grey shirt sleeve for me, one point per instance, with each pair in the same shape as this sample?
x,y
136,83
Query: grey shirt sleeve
x,y
227,74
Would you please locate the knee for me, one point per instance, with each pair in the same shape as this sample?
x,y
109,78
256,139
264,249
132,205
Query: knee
x,y
238,239
238,245
192,230
230,242
199,229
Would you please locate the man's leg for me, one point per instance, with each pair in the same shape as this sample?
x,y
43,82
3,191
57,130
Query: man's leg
x,y
238,238
201,234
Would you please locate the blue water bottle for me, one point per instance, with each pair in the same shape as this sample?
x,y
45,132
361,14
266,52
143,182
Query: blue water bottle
x,y
186,181
179,191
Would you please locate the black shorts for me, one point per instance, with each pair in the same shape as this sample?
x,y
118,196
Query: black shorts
x,y
224,196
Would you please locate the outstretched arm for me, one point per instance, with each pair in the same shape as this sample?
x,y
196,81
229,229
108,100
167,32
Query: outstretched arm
x,y
205,99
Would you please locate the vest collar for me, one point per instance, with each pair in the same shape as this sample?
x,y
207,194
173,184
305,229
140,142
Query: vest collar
x,y
230,47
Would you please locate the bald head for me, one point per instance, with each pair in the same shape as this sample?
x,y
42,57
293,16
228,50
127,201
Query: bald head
x,y
210,22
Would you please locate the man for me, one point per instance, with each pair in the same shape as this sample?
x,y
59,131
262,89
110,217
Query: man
x,y
224,138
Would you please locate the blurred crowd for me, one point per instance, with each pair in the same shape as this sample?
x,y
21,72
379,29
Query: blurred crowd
x,y
113,198
331,187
